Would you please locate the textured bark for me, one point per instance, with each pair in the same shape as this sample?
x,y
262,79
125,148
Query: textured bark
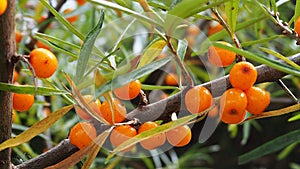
x,y
7,52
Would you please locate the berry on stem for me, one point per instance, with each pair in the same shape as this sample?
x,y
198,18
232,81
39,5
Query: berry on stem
x,y
297,25
22,102
154,141
171,79
122,133
258,100
116,110
3,6
94,105
179,136
233,105
82,134
221,57
243,75
198,99
129,91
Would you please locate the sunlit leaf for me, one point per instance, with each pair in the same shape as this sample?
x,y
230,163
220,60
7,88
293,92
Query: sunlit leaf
x,y
87,48
181,49
35,129
231,9
270,147
28,89
151,52
278,112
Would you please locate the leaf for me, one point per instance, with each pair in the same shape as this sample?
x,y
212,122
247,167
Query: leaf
x,y
121,80
278,55
35,129
28,89
87,48
278,112
149,133
270,147
181,49
151,52
294,118
79,155
231,9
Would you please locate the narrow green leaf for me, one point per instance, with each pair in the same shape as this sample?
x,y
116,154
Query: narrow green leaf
x,y
87,48
134,75
294,118
156,87
27,89
181,49
285,152
35,129
270,147
231,9
151,52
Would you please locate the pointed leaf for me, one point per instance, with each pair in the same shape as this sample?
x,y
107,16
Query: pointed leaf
x,y
134,75
152,51
181,49
270,147
28,89
231,9
87,48
35,129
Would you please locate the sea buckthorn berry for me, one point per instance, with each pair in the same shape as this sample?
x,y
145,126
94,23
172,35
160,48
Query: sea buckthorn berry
x,y
221,57
19,36
214,29
40,44
258,100
179,136
22,102
82,134
198,99
193,30
15,76
3,6
233,105
71,19
214,112
44,62
122,133
129,91
297,25
81,2
119,111
171,79
95,105
243,75
154,141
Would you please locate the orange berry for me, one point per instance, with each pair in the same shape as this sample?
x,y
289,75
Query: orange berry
x,y
233,105
179,136
94,105
3,6
297,25
122,133
129,91
22,102
258,100
221,57
193,30
214,112
15,75
40,44
82,134
44,62
198,99
154,141
243,75
214,29
171,79
80,2
71,19
118,110
19,36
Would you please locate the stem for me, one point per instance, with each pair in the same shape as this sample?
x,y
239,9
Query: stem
x,y
7,64
287,90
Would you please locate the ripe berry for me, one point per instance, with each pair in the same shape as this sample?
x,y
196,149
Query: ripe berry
x,y
40,44
122,133
233,105
193,30
129,91
22,102
95,105
171,79
198,99
258,100
3,6
19,36
214,112
221,57
243,75
82,134
71,19
15,76
81,2
214,29
297,25
118,111
179,136
44,62
154,141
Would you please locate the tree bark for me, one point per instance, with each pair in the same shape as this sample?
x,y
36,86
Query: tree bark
x,y
7,52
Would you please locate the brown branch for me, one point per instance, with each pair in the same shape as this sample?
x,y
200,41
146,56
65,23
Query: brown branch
x,y
158,110
7,51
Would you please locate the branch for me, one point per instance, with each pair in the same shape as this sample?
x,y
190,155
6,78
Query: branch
x,y
158,110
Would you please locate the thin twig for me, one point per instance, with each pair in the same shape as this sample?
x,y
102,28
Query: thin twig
x,y
287,90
